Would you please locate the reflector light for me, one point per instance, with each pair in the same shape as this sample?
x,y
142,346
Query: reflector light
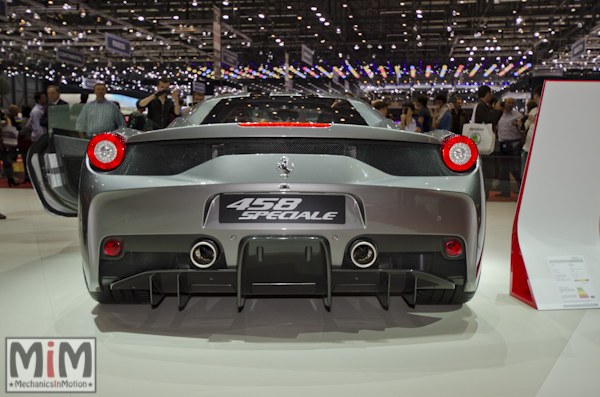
x,y
459,152
112,247
277,124
106,151
453,247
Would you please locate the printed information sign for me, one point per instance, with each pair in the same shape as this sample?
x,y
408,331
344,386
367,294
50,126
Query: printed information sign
x,y
573,282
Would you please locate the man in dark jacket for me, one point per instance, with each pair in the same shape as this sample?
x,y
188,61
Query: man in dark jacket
x,y
483,114
160,108
459,116
60,116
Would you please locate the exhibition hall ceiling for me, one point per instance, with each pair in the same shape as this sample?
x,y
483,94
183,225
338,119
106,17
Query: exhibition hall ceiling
x,y
388,37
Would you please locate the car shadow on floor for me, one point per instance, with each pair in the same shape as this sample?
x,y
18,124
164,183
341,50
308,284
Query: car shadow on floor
x,y
288,319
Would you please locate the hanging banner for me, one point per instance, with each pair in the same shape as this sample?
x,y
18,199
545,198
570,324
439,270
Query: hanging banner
x,y
3,11
89,84
336,78
578,49
286,77
198,86
307,55
73,57
229,57
217,41
118,45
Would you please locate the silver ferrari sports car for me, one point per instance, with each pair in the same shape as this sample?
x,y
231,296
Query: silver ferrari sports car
x,y
270,195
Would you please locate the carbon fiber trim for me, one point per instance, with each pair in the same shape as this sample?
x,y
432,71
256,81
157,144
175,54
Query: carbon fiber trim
x,y
174,157
428,262
138,262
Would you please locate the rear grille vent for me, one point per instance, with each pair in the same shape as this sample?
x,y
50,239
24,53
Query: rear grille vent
x,y
391,157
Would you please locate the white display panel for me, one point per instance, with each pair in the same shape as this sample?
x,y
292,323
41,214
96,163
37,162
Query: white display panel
x,y
559,206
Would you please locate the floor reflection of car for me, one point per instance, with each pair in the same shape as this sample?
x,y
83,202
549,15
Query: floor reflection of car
x,y
270,195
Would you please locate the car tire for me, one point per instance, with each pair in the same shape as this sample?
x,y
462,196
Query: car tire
x,y
443,296
121,297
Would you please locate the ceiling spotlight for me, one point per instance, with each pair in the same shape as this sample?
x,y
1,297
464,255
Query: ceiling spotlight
x,y
261,16
519,20
313,8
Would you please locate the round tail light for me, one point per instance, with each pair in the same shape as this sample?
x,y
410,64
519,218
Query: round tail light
x,y
459,152
453,247
106,151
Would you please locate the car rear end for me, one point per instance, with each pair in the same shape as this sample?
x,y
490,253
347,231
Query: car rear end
x,y
274,209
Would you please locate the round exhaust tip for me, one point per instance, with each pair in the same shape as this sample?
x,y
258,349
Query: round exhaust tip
x,y
204,254
363,254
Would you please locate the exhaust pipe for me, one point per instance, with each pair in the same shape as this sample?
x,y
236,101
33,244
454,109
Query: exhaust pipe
x,y
363,254
204,254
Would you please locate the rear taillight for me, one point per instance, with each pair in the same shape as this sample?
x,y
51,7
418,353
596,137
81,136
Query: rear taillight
x,y
459,152
286,124
106,151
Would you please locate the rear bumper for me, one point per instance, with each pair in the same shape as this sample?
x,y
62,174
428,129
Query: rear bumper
x,y
185,284
295,266
165,215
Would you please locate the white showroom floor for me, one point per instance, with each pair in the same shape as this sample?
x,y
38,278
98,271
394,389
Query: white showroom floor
x,y
492,346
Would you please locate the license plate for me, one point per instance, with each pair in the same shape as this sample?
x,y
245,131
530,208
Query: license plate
x,y
282,208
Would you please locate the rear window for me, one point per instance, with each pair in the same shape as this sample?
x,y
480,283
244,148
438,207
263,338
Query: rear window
x,y
298,109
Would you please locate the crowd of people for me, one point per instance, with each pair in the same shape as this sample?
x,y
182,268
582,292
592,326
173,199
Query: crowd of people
x,y
85,119
512,130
